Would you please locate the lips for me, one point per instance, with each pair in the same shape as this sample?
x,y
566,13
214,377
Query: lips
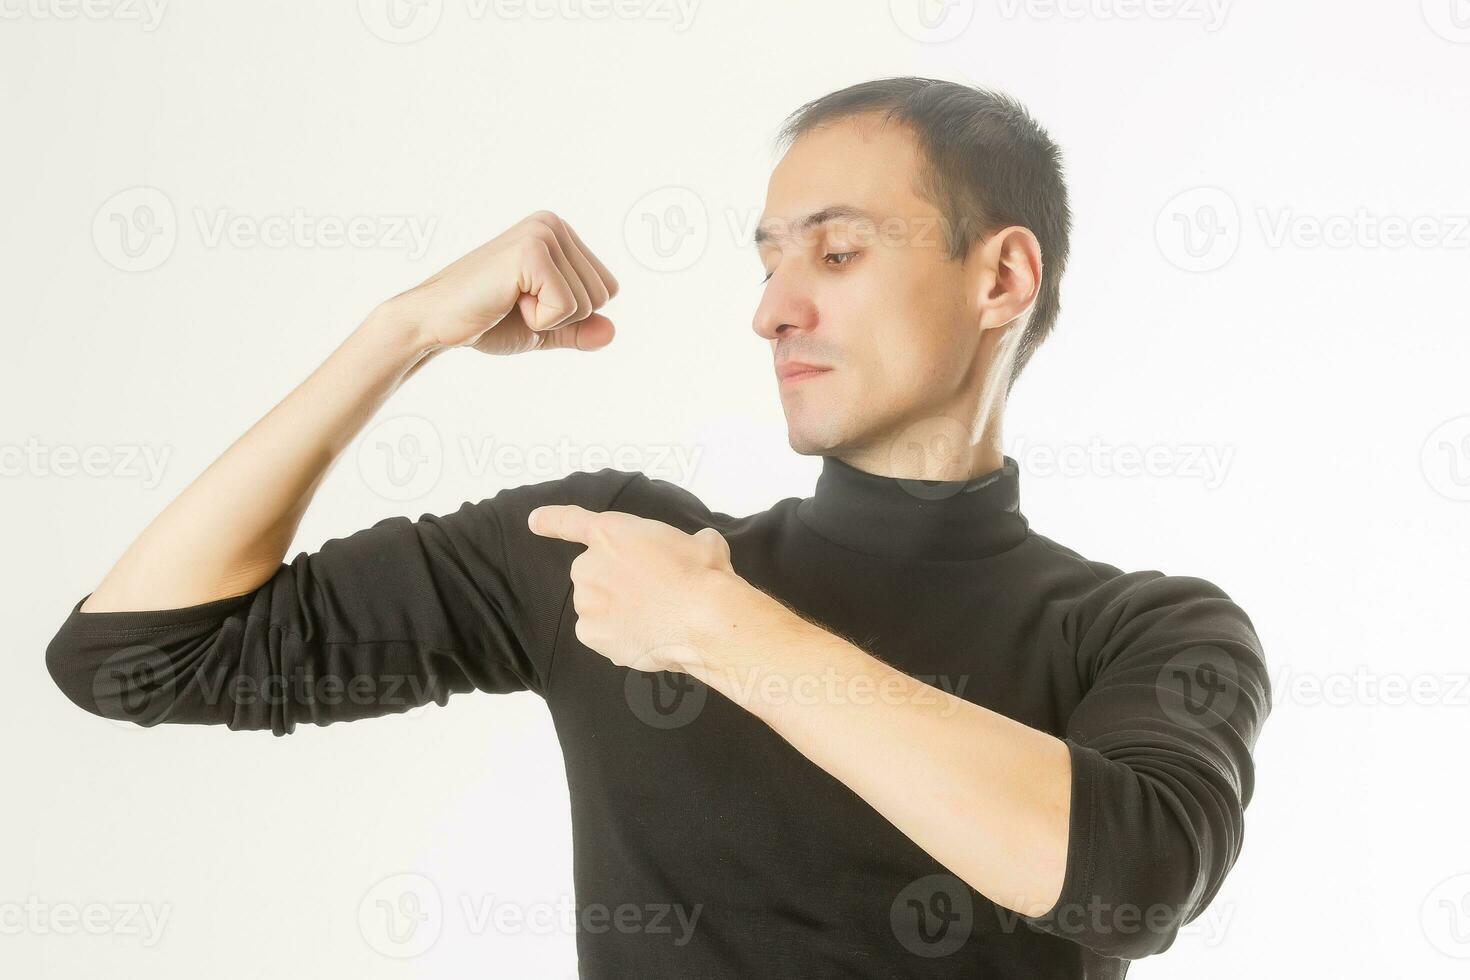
x,y
791,371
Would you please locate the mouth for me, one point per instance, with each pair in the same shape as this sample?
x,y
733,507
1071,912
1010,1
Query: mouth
x,y
795,372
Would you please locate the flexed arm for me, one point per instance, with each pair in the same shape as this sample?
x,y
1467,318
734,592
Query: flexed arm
x,y
534,286
201,622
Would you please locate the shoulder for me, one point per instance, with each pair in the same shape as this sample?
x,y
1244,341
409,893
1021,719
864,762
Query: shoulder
x,y
630,491
594,490
1103,588
662,500
1108,612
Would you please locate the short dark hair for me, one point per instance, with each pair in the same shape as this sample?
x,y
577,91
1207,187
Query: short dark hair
x,y
989,165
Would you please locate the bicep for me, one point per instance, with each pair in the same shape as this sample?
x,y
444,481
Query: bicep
x,y
391,617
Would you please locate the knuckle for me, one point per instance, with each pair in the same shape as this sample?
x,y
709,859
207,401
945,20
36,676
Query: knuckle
x,y
542,235
601,530
531,248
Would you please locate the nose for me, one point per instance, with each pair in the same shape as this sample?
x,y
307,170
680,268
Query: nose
x,y
786,307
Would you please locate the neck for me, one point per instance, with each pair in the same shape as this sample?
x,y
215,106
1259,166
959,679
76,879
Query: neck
x,y
936,448
916,517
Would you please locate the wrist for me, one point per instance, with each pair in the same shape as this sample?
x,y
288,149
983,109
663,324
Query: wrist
x,y
738,623
394,324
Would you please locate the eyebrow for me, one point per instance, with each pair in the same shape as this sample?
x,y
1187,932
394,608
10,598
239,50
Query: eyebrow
x,y
834,212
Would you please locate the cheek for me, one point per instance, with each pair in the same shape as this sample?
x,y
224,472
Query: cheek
x,y
908,349
942,337
899,328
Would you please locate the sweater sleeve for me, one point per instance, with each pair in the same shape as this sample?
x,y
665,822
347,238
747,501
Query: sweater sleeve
x,y
1176,691
384,620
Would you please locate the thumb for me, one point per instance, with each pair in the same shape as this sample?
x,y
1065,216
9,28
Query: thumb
x,y
713,546
592,333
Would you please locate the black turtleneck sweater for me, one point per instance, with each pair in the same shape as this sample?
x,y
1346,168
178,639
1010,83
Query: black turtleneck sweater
x,y
704,844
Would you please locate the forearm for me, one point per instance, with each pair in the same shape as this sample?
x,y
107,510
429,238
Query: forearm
x,y
228,531
986,796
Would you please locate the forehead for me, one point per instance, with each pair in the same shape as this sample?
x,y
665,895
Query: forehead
x,y
859,161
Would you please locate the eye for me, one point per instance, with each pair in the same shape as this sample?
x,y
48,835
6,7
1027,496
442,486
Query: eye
x,y
843,257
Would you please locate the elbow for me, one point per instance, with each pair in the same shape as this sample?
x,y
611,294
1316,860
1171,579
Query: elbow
x,y
1128,925
1127,900
1142,929
1150,848
66,664
129,682
200,665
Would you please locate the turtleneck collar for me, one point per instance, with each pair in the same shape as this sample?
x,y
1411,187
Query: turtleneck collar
x,y
941,520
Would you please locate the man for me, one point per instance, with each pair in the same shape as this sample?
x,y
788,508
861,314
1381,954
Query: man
x,y
886,730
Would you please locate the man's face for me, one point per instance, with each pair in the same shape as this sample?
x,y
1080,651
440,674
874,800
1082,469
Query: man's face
x,y
866,293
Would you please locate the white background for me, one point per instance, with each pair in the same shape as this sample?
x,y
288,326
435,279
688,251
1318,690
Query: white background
x,y
1327,378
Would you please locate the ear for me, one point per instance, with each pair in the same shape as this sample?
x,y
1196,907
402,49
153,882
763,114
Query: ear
x,y
1008,275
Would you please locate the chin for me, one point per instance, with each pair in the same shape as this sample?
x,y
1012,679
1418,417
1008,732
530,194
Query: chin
x,y
803,446
812,434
